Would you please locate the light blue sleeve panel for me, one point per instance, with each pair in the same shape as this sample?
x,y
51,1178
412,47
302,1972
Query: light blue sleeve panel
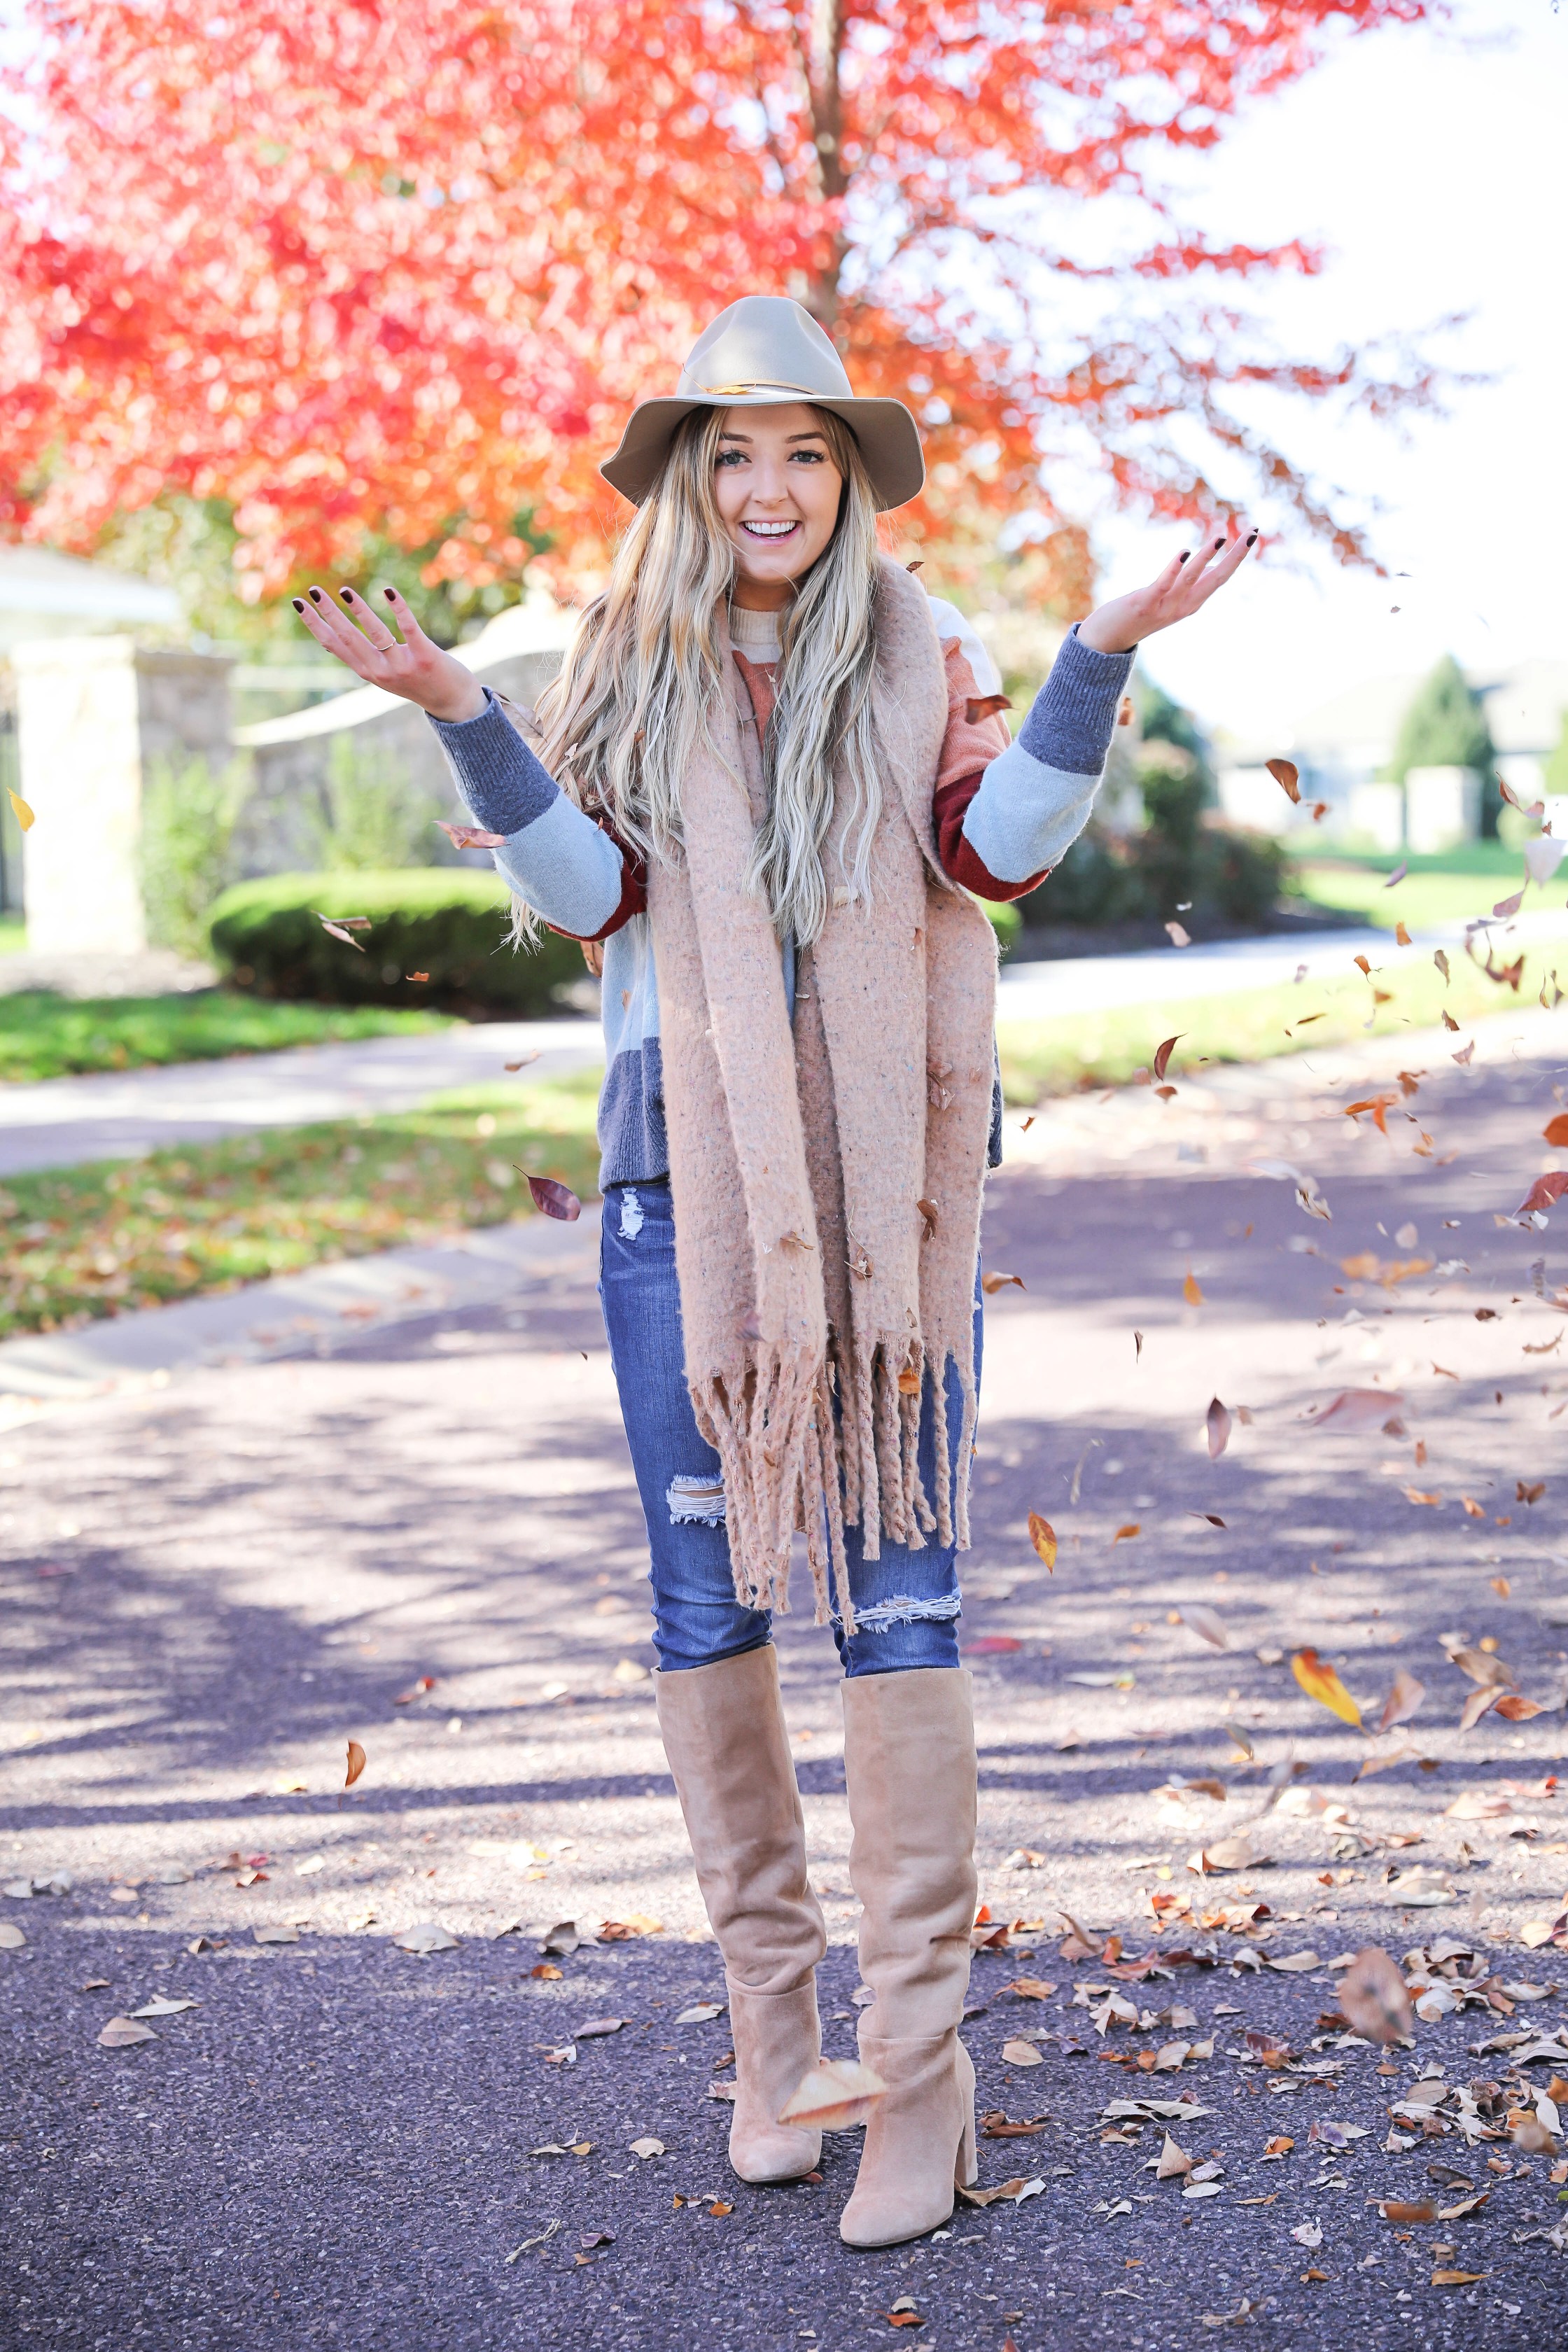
x,y
1027,815
565,868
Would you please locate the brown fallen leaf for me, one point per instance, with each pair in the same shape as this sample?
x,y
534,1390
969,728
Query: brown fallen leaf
x,y
1515,1709
551,1198
547,1973
991,1283
1484,1666
1021,2054
1414,1495
1475,1707
1403,1700
1191,1292
356,1761
1526,1492
1174,2163
1557,1130
1400,2209
1373,1997
1321,1683
1277,2149
123,2033
1125,1535
1017,2191
1459,2278
1043,1536
1402,935
416,975
909,1382
1288,776
834,2095
984,706
340,931
1509,905
1162,1054
1360,1408
1544,1193
1217,1424
1030,1988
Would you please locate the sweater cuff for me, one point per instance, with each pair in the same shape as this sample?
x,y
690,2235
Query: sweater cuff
x,y
504,785
1069,723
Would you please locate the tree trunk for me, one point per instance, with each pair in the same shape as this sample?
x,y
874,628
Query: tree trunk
x,y
827,124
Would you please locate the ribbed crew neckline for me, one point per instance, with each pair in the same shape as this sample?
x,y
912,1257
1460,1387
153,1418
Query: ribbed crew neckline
x,y
755,635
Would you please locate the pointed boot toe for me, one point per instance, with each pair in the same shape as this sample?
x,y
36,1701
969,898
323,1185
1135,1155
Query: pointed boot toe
x,y
777,2043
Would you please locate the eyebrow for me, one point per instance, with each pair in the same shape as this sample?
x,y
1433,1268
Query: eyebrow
x,y
813,436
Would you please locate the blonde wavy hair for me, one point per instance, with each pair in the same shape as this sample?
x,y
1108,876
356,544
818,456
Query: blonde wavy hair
x,y
629,706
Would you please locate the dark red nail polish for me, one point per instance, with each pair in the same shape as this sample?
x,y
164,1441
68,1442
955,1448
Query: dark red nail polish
x,y
298,605
388,593
1218,545
1183,557
315,595
347,594
1252,538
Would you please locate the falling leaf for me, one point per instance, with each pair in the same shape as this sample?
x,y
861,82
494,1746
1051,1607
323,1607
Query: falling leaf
x,y
1043,1536
1125,1535
552,1199
1288,776
834,2095
123,2033
1441,960
1515,1709
1191,1292
1365,967
24,818
1398,875
1475,1707
1544,1193
416,975
1360,1408
1402,1701
1218,1424
993,1646
1401,935
1508,906
356,1761
1466,1054
1557,1130
1162,1054
991,1283
1499,1584
416,1690
1206,1625
1414,1495
1321,1683
1179,937
984,706
1212,1517
471,836
1484,1666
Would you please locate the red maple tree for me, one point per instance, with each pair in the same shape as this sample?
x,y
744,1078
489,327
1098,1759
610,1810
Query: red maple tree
x,y
401,265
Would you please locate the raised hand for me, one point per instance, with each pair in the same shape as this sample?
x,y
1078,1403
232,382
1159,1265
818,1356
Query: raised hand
x,y
1183,588
410,666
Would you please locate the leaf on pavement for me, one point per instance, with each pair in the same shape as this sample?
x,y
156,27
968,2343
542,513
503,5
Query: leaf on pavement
x,y
699,2012
645,2148
1408,2210
425,1935
547,1972
1017,2191
356,1763
1174,2163
1321,1683
1021,2054
160,2005
593,2027
563,1938
123,2033
1043,1536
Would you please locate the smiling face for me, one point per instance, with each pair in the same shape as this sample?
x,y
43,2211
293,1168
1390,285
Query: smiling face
x,y
777,490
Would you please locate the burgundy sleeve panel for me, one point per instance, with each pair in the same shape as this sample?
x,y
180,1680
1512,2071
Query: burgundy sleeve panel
x,y
950,806
632,899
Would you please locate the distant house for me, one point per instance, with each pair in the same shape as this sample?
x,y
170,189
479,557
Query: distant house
x,y
1346,744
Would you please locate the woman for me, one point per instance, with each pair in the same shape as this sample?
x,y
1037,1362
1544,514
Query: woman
x,y
761,790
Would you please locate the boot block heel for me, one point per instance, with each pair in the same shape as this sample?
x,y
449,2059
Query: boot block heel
x,y
966,2165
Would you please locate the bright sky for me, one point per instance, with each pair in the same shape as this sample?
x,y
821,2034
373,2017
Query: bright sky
x,y
1434,166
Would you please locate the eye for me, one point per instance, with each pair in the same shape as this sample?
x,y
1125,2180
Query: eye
x,y
728,458
807,456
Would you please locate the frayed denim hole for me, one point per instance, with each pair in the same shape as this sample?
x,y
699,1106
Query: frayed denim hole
x,y
632,1217
886,1616
696,1501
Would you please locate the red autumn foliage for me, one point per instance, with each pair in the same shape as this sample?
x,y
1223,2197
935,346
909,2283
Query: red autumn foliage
x,y
402,265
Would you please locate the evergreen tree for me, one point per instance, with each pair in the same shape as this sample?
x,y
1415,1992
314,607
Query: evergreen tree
x,y
1445,726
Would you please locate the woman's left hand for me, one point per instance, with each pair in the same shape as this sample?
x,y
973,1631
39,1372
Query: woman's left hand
x,y
1183,588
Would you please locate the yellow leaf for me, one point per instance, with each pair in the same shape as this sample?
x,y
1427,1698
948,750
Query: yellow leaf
x,y
1321,1683
1043,1536
1191,1292
24,813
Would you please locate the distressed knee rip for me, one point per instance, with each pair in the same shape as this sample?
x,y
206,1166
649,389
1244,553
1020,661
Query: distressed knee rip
x,y
696,1500
884,1616
632,1219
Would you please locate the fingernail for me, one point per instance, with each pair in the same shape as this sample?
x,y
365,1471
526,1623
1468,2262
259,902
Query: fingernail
x,y
1218,545
388,593
1252,538
1183,557
315,595
347,594
297,603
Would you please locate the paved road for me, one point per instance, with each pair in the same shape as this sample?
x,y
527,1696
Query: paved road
x,y
212,1585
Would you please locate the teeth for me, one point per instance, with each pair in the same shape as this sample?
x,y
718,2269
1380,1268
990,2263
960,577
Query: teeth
x,y
769,530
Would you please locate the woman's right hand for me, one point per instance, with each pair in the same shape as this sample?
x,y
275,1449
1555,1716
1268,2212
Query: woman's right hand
x,y
412,667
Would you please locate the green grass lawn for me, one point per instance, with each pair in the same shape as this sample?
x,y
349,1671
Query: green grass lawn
x,y
1084,1049
1451,889
13,935
47,1036
112,1235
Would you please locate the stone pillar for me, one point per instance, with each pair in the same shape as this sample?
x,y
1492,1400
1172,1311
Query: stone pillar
x,y
92,715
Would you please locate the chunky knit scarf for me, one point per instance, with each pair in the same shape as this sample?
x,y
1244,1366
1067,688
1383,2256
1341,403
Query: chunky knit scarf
x,y
828,1184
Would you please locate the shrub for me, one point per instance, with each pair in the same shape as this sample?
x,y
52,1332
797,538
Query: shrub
x,y
449,923
189,814
1180,861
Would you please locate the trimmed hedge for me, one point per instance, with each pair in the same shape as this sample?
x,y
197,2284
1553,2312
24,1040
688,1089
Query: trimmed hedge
x,y
448,922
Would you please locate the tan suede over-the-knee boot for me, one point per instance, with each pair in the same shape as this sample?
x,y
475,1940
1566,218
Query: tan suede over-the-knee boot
x,y
908,1761
725,1736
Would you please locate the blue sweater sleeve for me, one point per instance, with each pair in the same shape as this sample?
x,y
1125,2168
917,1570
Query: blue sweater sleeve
x,y
558,861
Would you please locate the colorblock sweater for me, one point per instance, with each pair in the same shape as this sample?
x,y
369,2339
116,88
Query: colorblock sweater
x,y
1006,813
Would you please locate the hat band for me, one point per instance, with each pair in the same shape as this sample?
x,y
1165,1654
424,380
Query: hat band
x,y
768,383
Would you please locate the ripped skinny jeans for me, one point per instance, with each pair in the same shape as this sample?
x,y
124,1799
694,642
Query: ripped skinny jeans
x,y
907,1602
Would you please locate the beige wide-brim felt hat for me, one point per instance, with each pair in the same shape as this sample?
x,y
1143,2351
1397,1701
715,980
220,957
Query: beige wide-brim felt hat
x,y
760,352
